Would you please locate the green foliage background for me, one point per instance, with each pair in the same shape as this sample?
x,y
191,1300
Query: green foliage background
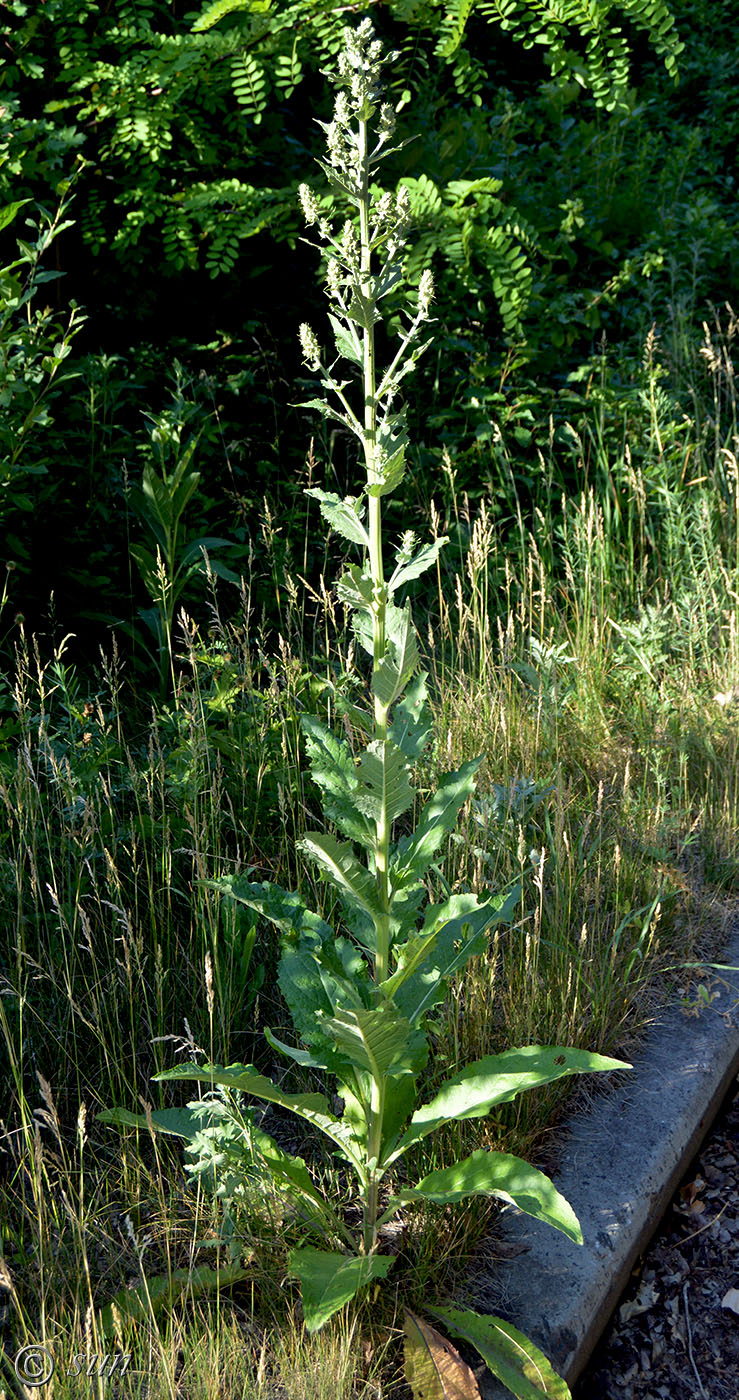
x,y
565,188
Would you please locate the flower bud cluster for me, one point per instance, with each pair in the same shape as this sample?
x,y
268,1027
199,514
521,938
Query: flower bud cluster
x,y
361,62
425,294
350,249
309,204
311,348
334,278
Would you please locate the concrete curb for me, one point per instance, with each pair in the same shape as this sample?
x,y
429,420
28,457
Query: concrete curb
x,y
622,1159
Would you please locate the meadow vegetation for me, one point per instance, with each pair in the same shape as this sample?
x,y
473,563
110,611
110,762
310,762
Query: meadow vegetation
x,y
169,621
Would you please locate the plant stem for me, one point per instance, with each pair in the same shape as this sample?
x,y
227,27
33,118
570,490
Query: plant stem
x,y
382,842
374,1144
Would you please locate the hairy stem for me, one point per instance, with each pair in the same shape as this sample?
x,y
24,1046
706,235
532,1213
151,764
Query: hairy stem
x,y
371,1203
382,839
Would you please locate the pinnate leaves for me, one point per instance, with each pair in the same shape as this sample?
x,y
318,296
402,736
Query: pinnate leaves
x,y
434,1368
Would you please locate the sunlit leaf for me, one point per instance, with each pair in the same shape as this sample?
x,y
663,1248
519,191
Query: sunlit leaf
x,y
504,1176
510,1355
434,1368
329,1280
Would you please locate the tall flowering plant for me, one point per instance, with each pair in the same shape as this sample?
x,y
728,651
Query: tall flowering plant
x,y
360,997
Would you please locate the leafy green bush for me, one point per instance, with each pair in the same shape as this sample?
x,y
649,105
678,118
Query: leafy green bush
x,y
35,344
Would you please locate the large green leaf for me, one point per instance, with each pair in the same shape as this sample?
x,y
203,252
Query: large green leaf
x,y
193,551
333,769
434,1368
400,1096
308,999
9,211
511,1356
179,1122
498,1079
504,1176
423,560
316,981
355,588
374,1040
397,667
388,467
385,786
348,343
412,726
453,933
329,1280
312,1107
281,907
341,515
439,815
339,862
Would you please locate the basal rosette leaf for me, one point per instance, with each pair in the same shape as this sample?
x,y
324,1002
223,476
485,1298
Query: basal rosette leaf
x,y
434,1368
504,1176
499,1079
328,1280
510,1355
136,1305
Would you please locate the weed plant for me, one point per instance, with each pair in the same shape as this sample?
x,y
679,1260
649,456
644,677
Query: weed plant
x,y
594,664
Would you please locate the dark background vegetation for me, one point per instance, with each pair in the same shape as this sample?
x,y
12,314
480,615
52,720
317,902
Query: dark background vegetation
x,y
180,155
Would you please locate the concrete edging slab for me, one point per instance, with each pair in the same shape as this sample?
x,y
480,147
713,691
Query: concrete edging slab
x,y
621,1161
